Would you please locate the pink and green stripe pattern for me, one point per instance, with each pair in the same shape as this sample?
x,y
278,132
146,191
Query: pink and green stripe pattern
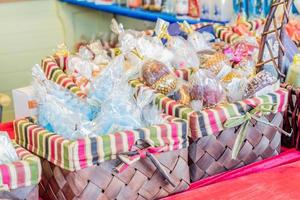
x,y
54,73
210,121
22,173
81,153
227,33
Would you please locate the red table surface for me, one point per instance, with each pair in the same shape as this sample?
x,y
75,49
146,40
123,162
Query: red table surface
x,y
273,178
279,183
9,128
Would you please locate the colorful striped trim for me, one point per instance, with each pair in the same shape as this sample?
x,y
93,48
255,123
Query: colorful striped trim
x,y
210,121
226,34
54,73
82,153
26,172
61,61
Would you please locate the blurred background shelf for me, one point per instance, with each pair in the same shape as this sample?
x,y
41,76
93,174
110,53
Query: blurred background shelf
x,y
136,13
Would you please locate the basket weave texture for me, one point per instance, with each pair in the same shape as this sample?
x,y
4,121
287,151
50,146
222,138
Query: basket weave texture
x,y
291,118
211,155
141,180
86,168
24,193
211,143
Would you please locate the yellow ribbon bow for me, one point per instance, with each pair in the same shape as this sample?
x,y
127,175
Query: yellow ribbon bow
x,y
186,27
244,121
164,33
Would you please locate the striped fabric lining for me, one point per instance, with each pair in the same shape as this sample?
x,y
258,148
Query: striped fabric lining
x,y
227,34
82,153
54,73
26,172
210,121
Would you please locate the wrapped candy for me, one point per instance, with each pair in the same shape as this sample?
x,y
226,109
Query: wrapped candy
x,y
203,87
182,95
7,151
235,89
184,53
100,55
82,68
159,77
259,82
218,64
199,41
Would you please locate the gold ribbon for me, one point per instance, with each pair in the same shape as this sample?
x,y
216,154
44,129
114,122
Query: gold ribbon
x,y
186,27
245,120
164,33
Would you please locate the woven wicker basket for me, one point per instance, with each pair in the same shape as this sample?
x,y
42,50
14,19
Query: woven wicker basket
x,y
211,144
291,118
18,180
140,181
86,168
211,155
24,193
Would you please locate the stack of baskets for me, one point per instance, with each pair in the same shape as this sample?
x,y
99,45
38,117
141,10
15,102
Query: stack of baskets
x,y
151,162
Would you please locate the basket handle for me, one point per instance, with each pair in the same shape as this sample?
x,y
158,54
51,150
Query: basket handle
x,y
279,35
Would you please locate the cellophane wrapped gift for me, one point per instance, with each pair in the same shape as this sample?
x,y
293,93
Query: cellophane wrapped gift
x,y
159,77
184,53
205,88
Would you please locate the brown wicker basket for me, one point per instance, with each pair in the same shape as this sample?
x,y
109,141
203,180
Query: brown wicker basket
x,y
87,168
291,118
211,144
211,155
142,180
24,193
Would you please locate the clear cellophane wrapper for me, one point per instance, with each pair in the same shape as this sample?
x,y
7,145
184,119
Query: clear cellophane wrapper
x,y
185,55
120,110
264,80
206,89
218,64
8,153
159,77
82,68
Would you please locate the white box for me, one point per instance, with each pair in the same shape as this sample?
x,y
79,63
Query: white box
x,y
24,102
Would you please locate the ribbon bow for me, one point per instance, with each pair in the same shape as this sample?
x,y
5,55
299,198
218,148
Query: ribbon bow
x,y
143,149
244,121
186,27
164,33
